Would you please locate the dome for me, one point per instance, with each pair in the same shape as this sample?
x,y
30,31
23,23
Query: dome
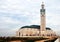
x,y
35,27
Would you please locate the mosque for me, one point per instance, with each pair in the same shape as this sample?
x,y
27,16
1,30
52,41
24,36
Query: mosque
x,y
36,30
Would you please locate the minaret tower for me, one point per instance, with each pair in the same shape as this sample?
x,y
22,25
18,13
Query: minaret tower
x,y
43,21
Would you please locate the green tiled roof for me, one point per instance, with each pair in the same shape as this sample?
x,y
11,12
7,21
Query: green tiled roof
x,y
35,27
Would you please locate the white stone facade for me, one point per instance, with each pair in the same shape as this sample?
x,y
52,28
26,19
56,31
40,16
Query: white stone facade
x,y
33,32
27,32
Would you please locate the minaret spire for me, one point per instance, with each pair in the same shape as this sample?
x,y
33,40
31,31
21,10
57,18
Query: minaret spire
x,y
42,10
42,5
43,21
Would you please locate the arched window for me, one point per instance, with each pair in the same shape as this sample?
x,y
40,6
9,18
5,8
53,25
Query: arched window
x,y
51,35
19,33
26,34
42,34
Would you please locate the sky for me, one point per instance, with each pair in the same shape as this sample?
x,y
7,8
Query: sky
x,y
17,13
